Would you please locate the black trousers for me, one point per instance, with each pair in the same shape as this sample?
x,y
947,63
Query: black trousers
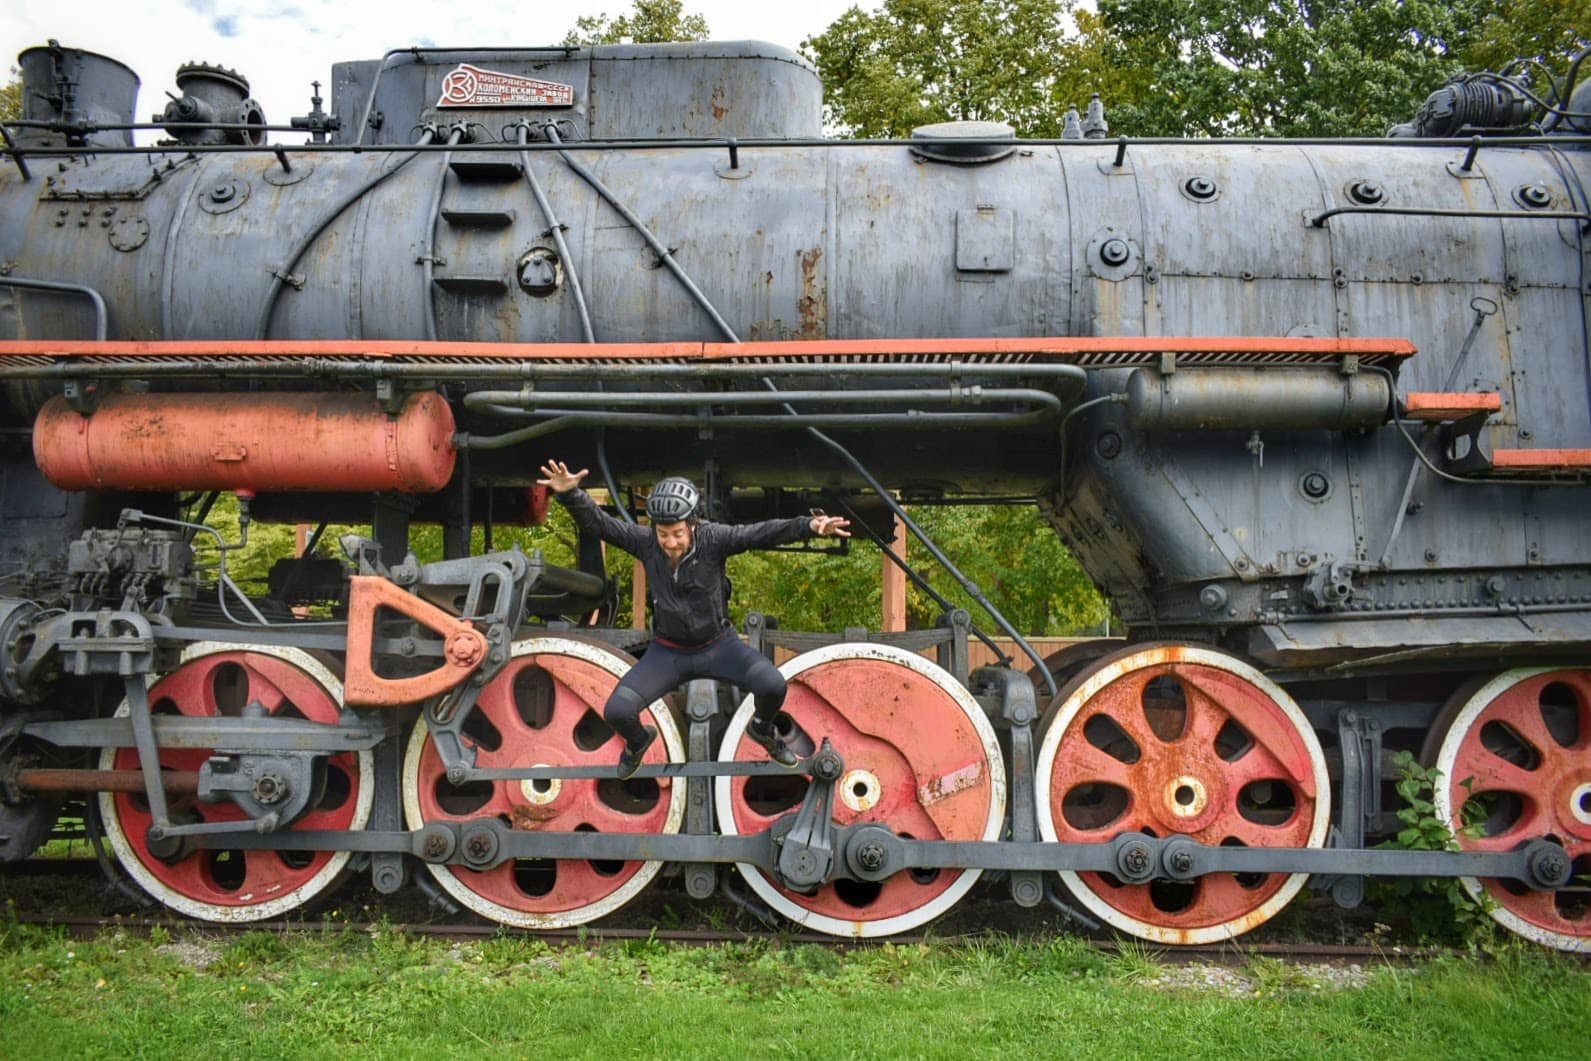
x,y
663,669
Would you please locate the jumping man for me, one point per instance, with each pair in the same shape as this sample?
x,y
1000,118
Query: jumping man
x,y
691,636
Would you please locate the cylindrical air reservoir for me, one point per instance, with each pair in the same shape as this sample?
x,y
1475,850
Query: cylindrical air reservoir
x,y
255,442
1220,399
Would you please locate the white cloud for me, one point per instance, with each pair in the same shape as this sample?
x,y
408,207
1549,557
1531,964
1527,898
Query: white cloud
x,y
283,45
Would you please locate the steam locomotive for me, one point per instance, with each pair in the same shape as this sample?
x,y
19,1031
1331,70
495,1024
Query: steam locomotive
x,y
1315,415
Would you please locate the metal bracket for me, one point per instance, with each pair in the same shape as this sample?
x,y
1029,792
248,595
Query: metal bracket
x,y
1358,797
953,655
1019,708
464,648
806,850
701,707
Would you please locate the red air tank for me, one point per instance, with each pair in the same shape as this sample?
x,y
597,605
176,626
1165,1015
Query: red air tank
x,y
261,442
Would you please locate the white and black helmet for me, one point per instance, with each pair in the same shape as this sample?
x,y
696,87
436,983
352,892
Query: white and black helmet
x,y
672,500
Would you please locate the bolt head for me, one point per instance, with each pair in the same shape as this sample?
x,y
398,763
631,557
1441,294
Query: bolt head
x,y
1114,252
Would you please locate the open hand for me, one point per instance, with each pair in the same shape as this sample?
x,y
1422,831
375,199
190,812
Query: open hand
x,y
830,526
559,478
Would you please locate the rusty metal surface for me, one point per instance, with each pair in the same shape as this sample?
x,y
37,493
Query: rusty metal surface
x,y
185,782
291,442
1176,740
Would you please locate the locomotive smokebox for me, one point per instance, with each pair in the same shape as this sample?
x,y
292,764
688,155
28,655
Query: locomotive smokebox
x,y
256,442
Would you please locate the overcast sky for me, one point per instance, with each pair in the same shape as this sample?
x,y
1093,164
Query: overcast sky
x,y
283,45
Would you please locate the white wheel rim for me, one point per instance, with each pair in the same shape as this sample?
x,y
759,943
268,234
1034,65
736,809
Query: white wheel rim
x,y
324,878
862,929
1446,759
444,875
1045,776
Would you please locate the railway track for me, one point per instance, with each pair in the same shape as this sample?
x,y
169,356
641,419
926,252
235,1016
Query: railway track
x,y
1231,953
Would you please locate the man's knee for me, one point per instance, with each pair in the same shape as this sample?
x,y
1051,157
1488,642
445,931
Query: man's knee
x,y
764,679
624,702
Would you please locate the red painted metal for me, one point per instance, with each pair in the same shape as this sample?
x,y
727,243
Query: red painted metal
x,y
1176,780
464,647
532,713
1544,774
214,685
914,762
1016,349
1436,408
1541,460
255,441
537,501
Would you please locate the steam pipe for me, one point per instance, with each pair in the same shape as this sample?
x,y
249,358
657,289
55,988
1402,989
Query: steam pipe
x,y
556,228
529,401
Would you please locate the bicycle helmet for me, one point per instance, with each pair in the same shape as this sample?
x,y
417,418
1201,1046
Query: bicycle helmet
x,y
672,500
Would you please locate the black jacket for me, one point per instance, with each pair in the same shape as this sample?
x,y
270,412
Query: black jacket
x,y
689,603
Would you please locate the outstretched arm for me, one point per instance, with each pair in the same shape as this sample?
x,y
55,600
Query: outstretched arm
x,y
565,485
770,533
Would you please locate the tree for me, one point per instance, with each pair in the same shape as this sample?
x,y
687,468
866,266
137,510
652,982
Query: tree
x,y
915,62
1009,551
649,22
1543,33
11,99
1285,67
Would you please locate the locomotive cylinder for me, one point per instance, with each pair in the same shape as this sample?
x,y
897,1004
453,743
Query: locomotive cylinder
x,y
1251,399
255,442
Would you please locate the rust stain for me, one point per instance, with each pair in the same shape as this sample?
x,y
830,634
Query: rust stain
x,y
524,817
813,302
718,105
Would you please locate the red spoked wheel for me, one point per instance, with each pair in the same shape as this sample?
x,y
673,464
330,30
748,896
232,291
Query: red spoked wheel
x,y
545,709
1178,740
217,884
1515,766
920,759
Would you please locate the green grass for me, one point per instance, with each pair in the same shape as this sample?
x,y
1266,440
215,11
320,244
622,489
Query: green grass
x,y
189,995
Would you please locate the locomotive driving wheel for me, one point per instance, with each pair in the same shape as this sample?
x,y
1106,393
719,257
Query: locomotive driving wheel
x,y
1515,764
214,883
1179,740
920,759
544,709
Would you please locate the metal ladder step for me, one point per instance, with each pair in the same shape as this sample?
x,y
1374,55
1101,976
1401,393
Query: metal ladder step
x,y
472,285
491,219
487,169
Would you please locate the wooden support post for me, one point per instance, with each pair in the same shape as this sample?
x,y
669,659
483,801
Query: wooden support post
x,y
893,593
638,600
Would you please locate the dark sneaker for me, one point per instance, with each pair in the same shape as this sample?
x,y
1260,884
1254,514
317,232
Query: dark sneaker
x,y
764,734
630,758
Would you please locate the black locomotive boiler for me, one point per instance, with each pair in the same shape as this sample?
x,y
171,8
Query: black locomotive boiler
x,y
1315,415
